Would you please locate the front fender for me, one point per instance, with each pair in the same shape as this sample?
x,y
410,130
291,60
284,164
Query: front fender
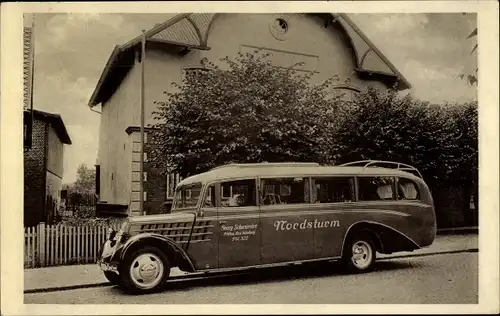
x,y
152,238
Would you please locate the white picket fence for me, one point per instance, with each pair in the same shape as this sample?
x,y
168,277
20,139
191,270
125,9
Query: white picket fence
x,y
51,245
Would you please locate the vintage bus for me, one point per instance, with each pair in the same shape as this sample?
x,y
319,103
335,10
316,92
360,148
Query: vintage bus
x,y
241,216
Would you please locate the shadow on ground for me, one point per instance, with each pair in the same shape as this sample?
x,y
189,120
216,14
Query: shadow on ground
x,y
276,274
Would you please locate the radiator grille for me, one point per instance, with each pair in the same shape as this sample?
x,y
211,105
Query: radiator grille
x,y
180,232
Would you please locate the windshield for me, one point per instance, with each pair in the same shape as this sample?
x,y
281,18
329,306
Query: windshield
x,y
187,196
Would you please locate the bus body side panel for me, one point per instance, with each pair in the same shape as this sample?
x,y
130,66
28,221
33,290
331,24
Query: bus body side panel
x,y
239,237
335,221
287,233
330,224
204,243
421,224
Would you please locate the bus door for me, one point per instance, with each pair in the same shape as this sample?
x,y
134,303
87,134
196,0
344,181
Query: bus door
x,y
204,244
286,221
238,224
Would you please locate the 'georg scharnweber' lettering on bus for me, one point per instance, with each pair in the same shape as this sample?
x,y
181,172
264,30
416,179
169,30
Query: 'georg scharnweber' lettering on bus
x,y
286,225
239,232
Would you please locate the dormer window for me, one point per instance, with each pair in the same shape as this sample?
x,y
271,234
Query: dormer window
x,y
193,70
345,92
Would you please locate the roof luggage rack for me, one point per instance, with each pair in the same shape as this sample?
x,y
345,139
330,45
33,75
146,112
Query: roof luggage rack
x,y
268,164
374,163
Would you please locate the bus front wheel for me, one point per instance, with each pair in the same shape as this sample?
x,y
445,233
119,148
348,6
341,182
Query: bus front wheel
x,y
145,270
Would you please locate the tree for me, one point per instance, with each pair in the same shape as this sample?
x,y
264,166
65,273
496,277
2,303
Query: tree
x,y
85,180
247,111
471,77
440,140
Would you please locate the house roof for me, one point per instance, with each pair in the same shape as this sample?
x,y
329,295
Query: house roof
x,y
57,122
191,30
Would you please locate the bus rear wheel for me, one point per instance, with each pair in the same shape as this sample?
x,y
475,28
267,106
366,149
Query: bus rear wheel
x,y
359,253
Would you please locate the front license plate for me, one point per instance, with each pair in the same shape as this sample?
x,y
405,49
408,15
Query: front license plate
x,y
105,267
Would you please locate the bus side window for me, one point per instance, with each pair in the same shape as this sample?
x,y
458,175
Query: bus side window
x,y
238,193
407,190
284,191
210,196
376,188
333,189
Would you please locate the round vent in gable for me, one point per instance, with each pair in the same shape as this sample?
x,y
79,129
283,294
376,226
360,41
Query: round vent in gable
x,y
279,27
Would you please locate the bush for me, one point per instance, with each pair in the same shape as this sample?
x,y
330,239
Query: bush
x,y
91,222
440,140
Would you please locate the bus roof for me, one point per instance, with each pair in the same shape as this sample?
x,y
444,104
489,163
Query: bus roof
x,y
233,171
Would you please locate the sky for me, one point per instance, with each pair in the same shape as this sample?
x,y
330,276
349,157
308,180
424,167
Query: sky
x,y
430,50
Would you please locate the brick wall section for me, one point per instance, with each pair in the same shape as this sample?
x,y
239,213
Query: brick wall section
x,y
155,186
154,181
34,176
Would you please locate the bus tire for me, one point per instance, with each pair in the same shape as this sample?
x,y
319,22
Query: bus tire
x,y
145,270
359,253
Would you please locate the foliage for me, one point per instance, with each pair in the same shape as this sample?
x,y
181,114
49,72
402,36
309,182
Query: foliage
x,y
471,77
440,140
85,180
247,111
91,222
80,205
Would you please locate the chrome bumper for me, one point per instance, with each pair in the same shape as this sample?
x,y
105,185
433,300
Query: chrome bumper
x,y
105,266
107,252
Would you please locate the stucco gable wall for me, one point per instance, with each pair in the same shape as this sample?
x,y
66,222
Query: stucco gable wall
x,y
321,49
161,70
307,40
115,145
325,50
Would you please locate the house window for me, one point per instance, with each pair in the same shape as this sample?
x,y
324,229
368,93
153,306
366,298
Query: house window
x,y
98,180
345,93
279,27
171,182
193,71
284,191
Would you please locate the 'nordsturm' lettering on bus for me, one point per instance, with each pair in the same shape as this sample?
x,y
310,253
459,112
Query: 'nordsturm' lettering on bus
x,y
286,225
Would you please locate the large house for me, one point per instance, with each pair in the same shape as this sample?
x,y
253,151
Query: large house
x,y
43,167
328,44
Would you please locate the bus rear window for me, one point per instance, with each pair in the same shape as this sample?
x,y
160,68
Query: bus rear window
x,y
407,190
376,188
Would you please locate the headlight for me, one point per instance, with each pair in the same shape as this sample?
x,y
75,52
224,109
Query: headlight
x,y
119,235
110,234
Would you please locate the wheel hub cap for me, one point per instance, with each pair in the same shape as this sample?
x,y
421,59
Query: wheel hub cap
x,y
146,270
361,254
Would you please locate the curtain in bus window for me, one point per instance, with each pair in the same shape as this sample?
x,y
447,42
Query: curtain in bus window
x,y
333,189
238,193
407,190
284,191
376,188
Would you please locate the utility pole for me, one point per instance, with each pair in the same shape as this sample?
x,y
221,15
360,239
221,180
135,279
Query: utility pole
x,y
28,74
143,60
